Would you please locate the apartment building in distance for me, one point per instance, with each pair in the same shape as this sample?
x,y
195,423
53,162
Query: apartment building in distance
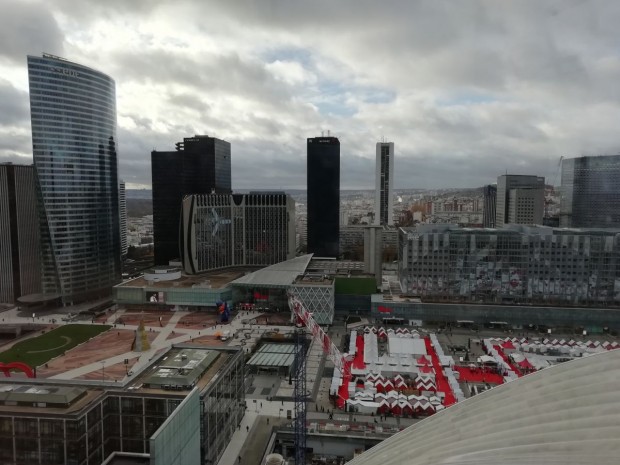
x,y
489,208
520,200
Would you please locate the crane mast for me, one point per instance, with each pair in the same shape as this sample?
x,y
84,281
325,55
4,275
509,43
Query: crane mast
x,y
300,394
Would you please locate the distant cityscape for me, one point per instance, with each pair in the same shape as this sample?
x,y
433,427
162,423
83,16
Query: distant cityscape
x,y
150,326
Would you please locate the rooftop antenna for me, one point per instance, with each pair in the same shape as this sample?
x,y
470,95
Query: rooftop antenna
x,y
322,133
328,133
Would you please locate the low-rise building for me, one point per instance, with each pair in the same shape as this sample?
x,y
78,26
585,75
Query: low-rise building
x,y
183,408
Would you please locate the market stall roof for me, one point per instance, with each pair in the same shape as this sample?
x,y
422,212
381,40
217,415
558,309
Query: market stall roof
x,y
405,345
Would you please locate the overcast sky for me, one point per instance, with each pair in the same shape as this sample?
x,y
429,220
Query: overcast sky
x,y
466,90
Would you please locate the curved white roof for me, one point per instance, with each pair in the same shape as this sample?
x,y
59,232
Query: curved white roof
x,y
565,415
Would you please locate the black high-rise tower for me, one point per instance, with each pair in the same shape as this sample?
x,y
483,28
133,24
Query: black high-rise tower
x,y
200,165
323,196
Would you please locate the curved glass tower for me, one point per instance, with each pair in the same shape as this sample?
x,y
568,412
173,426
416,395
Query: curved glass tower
x,y
73,112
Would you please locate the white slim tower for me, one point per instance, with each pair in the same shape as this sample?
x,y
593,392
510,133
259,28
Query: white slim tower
x,y
384,184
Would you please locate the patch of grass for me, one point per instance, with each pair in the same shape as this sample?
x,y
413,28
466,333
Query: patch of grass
x,y
38,350
355,285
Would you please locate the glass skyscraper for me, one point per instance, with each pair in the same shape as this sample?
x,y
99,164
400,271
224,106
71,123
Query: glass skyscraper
x,y
591,192
73,113
199,165
323,196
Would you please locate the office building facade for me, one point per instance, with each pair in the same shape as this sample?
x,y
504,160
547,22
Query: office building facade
x,y
323,192
590,192
87,422
511,264
122,209
520,200
489,207
19,233
199,165
384,184
73,113
219,231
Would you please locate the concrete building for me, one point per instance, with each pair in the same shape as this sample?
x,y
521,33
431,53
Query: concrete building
x,y
520,200
591,192
384,184
323,191
182,409
352,242
512,264
489,211
122,208
73,113
219,231
167,288
19,233
373,252
199,165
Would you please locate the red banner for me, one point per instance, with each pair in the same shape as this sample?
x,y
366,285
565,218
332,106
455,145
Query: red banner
x,y
383,309
258,295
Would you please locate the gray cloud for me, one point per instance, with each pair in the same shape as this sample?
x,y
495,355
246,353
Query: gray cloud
x,y
28,28
15,106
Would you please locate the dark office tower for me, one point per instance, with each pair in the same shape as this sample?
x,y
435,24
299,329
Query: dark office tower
x,y
490,201
591,192
19,233
122,209
199,165
384,184
73,113
323,196
520,200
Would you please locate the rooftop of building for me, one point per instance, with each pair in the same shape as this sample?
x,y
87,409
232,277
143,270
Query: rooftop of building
x,y
395,298
176,371
314,279
281,274
45,398
334,266
210,280
180,369
65,61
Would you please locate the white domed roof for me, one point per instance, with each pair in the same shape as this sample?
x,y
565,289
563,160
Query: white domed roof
x,y
567,414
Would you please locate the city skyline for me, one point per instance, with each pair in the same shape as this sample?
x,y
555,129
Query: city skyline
x,y
434,77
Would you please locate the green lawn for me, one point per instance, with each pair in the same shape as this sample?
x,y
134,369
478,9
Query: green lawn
x,y
38,350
